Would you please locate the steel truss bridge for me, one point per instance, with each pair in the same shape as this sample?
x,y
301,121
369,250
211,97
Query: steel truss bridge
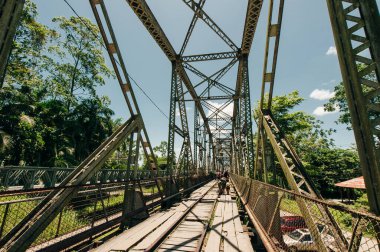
x,y
38,218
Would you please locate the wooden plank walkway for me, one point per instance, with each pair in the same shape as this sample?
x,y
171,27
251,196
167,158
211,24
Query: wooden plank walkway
x,y
142,235
225,232
187,235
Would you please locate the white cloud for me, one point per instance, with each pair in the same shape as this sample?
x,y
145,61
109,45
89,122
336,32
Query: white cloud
x,y
322,94
320,111
229,109
331,51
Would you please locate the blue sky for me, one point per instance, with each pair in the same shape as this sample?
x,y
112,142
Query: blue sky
x,y
306,62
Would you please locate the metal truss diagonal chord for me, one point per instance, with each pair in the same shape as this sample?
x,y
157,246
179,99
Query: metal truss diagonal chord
x,y
203,15
24,233
10,13
251,20
355,26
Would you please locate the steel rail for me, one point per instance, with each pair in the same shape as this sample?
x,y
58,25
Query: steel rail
x,y
147,182
162,237
206,227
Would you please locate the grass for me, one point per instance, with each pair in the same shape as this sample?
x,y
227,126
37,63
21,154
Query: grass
x,y
343,219
72,218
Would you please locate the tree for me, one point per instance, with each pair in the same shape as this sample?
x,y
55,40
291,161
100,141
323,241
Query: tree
x,y
328,166
339,102
50,113
162,149
28,60
88,125
303,130
78,66
20,123
325,163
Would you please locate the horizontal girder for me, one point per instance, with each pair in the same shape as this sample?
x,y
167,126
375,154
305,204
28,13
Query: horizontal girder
x,y
252,17
210,56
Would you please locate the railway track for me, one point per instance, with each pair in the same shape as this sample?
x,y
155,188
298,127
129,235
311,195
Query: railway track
x,y
189,232
185,224
204,221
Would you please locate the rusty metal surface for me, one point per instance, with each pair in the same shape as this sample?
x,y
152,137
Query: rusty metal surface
x,y
272,207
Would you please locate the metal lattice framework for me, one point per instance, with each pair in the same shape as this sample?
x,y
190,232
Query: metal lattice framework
x,y
224,140
216,133
357,37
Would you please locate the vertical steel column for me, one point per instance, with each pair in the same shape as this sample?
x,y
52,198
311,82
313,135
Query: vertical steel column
x,y
126,206
204,152
188,156
172,111
196,143
268,77
104,23
10,13
355,26
247,117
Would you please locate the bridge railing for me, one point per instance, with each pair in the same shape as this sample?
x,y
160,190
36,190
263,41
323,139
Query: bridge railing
x,y
27,177
281,224
95,210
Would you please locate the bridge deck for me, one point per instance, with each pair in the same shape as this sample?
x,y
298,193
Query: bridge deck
x,y
184,227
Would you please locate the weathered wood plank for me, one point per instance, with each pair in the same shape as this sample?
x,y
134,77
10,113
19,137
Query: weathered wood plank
x,y
131,236
242,238
230,241
153,236
215,236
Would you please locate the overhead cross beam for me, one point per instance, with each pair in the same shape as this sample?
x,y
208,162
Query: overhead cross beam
x,y
208,20
251,20
191,28
252,17
210,56
148,19
143,12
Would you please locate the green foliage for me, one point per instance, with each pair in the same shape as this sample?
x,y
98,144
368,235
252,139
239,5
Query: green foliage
x,y
78,66
27,62
50,113
325,163
339,101
361,203
161,152
328,166
161,149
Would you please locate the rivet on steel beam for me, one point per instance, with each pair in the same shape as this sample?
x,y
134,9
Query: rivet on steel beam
x,y
273,32
96,1
112,48
125,88
268,77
